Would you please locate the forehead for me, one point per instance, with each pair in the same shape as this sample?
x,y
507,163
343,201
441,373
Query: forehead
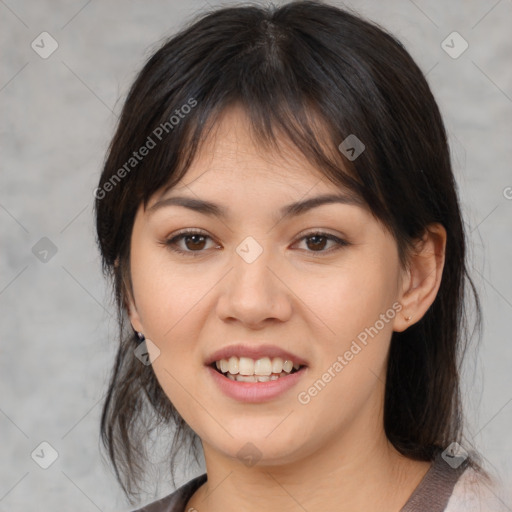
x,y
231,148
230,159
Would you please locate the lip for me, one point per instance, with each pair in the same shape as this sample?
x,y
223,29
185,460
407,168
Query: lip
x,y
254,352
254,392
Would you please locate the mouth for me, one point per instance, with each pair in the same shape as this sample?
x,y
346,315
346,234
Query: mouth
x,y
266,369
271,374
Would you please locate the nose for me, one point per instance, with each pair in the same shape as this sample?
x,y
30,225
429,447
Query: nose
x,y
254,292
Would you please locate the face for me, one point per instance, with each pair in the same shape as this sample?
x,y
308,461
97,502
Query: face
x,y
323,284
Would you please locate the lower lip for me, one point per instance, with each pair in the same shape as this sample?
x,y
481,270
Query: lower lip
x,y
254,392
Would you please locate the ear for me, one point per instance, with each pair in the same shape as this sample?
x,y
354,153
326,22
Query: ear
x,y
133,313
422,279
128,300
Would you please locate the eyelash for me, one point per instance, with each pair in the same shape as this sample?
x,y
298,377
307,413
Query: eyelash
x,y
171,242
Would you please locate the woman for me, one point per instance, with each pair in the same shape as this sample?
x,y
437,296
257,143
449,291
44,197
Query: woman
x,y
279,216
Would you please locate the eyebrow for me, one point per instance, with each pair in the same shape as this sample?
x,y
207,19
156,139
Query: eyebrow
x,y
290,210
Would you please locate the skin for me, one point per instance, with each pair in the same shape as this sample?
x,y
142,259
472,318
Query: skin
x,y
330,454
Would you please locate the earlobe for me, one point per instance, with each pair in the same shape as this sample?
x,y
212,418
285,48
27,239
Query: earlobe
x,y
424,275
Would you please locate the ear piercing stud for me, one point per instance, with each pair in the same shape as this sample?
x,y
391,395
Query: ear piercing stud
x,y
407,318
141,337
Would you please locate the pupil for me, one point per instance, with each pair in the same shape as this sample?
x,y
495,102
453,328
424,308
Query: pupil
x,y
195,242
317,244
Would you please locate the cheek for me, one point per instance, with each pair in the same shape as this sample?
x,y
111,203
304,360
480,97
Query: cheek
x,y
163,293
168,303
357,306
171,302
351,296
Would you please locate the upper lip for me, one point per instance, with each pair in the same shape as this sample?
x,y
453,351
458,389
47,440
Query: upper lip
x,y
254,352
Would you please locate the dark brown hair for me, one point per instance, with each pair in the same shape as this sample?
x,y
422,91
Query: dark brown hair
x,y
286,66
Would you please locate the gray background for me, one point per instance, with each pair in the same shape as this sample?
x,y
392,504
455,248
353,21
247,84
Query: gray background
x,y
57,328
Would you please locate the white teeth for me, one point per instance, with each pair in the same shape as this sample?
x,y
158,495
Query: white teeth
x,y
233,365
251,378
264,367
255,378
287,366
245,378
277,365
245,366
224,365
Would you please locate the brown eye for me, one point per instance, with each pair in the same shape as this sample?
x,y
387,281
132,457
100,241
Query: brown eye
x,y
194,242
316,242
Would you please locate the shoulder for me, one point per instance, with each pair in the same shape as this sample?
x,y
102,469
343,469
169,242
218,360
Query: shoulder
x,y
176,501
474,492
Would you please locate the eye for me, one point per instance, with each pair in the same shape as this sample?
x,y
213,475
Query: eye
x,y
319,240
195,241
